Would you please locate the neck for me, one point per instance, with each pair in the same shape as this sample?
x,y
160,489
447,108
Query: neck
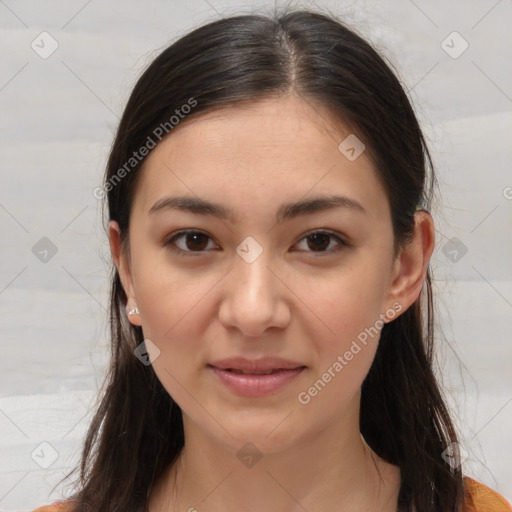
x,y
329,470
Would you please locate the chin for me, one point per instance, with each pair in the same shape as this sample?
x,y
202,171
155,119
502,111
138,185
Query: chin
x,y
264,434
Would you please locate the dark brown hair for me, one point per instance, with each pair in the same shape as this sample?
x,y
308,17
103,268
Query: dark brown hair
x,y
137,430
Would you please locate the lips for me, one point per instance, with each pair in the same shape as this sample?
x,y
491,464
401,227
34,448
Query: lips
x,y
268,372
260,366
256,378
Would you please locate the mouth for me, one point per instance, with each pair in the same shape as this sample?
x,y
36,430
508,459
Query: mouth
x,y
252,383
266,372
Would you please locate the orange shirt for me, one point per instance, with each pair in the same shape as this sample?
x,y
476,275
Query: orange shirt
x,y
58,506
480,498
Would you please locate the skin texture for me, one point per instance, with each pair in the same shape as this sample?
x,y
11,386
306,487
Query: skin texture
x,y
292,302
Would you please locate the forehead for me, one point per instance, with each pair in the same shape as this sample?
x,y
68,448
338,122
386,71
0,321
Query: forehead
x,y
267,151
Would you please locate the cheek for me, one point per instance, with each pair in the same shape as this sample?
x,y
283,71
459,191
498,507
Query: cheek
x,y
174,318
345,345
168,296
345,303
345,341
329,393
345,356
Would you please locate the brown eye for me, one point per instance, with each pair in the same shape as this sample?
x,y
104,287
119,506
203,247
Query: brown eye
x,y
321,242
190,242
196,241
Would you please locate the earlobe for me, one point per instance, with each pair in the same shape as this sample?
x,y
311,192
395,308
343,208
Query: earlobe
x,y
412,262
123,268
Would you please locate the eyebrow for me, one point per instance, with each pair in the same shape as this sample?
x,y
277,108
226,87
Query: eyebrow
x,y
285,212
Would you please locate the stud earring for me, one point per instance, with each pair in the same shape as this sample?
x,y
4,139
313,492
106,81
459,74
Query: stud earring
x,y
134,311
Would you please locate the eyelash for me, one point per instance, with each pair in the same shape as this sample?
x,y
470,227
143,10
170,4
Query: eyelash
x,y
170,242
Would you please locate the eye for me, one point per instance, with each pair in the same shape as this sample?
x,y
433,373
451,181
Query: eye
x,y
320,241
190,241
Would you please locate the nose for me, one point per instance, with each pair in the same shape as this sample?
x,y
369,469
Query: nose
x,y
254,297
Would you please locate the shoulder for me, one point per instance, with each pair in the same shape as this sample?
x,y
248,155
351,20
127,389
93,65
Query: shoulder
x,y
480,498
58,506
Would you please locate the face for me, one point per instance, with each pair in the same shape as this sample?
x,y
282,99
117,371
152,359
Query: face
x,y
258,276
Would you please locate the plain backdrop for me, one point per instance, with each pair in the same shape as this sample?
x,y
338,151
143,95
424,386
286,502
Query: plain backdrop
x,y
66,71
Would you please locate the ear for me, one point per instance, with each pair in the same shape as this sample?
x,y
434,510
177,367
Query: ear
x,y
123,267
411,264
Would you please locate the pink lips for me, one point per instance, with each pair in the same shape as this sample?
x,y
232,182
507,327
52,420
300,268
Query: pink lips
x,y
256,378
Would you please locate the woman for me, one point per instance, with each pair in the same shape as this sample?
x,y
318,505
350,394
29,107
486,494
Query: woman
x,y
268,193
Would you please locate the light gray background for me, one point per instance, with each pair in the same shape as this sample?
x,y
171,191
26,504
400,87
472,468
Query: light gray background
x,y
57,123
